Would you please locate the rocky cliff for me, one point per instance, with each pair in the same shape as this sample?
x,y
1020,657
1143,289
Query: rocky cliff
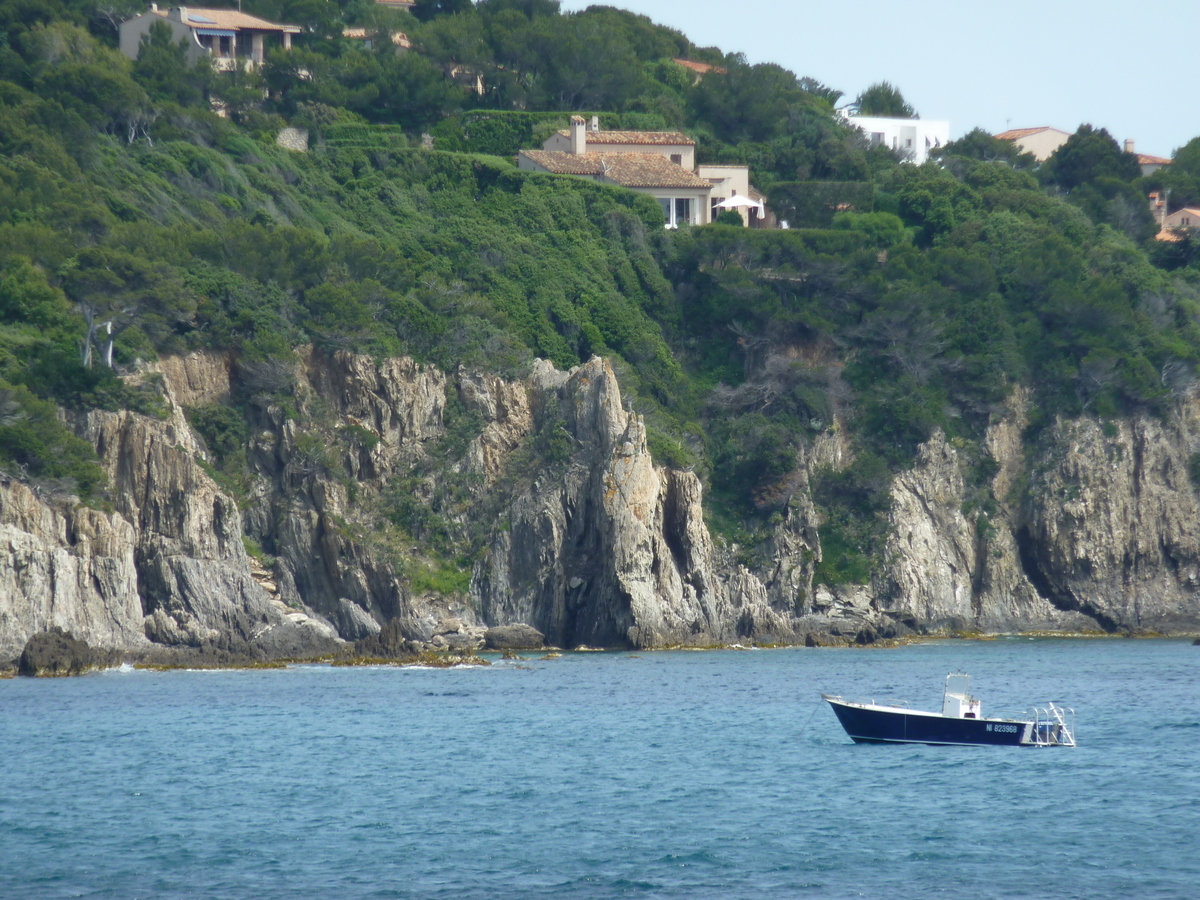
x,y
355,471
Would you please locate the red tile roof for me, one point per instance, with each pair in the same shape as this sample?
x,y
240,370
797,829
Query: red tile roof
x,y
1146,160
625,169
658,138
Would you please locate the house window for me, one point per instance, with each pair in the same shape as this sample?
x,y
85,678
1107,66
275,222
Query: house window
x,y
676,210
716,208
677,158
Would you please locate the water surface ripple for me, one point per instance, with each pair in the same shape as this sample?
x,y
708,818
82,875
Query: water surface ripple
x,y
602,775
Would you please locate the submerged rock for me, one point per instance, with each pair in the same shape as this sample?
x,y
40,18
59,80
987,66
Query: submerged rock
x,y
514,637
56,653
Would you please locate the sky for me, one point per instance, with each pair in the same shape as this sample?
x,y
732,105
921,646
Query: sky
x,y
1125,66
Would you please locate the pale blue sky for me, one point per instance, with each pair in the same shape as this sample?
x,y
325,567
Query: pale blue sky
x,y
1126,66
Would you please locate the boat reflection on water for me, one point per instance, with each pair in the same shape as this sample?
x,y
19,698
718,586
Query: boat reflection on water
x,y
961,721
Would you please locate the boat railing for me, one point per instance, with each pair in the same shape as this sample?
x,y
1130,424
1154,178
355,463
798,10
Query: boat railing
x,y
868,701
887,701
1053,726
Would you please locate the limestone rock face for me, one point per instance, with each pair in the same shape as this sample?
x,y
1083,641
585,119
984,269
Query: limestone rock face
x,y
71,568
612,550
167,566
1106,536
1113,524
585,540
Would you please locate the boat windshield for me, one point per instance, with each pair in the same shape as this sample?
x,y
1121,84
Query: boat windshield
x,y
958,684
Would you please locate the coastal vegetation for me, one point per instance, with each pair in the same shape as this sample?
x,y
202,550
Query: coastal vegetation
x,y
137,222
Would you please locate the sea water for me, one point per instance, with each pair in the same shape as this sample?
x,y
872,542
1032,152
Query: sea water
x,y
670,774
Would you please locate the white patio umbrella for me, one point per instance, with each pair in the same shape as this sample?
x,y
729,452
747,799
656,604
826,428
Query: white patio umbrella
x,y
740,200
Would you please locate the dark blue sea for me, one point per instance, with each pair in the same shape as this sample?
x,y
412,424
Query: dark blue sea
x,y
673,774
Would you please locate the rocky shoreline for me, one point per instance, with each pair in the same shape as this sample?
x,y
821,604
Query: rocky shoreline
x,y
55,653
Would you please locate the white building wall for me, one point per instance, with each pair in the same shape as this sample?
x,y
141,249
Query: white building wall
x,y
131,32
728,181
915,138
1042,143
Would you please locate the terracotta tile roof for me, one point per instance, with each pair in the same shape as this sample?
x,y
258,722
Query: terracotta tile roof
x,y
701,68
625,169
1167,235
230,20
561,163
1146,160
649,170
659,138
1017,133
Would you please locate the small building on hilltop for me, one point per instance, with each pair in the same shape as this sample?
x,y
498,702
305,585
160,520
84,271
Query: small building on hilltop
x,y
230,38
1041,141
658,163
914,139
1148,164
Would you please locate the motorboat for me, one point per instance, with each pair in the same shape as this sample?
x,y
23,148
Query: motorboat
x,y
961,721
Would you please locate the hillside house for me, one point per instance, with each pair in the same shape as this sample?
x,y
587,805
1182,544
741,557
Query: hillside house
x,y
1187,219
914,139
229,37
1149,164
658,163
1041,141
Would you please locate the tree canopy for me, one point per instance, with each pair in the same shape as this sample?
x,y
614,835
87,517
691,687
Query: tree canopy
x,y
884,99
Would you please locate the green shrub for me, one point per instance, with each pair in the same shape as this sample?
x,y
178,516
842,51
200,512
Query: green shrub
x,y
34,444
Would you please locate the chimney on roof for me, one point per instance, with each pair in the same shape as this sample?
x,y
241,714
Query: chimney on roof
x,y
595,123
1129,145
578,136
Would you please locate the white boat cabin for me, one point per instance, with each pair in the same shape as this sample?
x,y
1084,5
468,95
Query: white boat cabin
x,y
957,702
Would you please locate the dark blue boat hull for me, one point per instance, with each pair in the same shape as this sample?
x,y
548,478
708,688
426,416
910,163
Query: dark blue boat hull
x,y
886,726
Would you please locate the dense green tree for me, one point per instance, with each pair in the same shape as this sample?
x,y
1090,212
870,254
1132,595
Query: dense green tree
x,y
981,146
426,10
1182,177
1090,153
163,71
883,99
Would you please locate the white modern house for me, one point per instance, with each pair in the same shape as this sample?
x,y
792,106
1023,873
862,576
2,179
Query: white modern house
x,y
912,138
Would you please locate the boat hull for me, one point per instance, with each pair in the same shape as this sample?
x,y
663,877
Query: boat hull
x,y
873,725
